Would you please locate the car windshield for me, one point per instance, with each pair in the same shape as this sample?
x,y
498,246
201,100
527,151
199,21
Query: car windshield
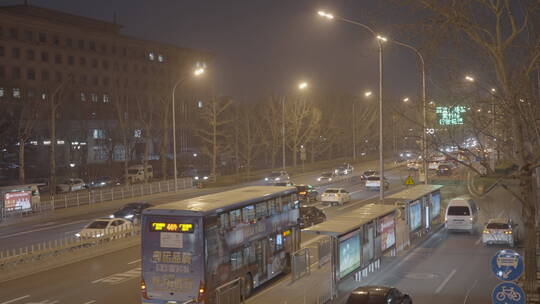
x,y
98,225
328,174
274,174
331,191
497,226
459,210
373,178
370,172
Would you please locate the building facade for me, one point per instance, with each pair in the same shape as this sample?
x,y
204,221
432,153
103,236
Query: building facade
x,y
103,83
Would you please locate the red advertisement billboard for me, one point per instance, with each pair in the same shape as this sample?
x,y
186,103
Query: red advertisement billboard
x,y
387,231
18,200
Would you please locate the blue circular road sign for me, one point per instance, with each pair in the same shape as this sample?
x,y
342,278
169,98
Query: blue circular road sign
x,y
507,265
508,293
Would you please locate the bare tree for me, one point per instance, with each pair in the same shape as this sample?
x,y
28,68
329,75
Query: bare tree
x,y
213,133
146,110
271,122
28,116
500,36
249,135
301,119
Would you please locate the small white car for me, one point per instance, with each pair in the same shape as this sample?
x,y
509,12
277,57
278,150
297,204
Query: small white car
x,y
102,227
325,177
277,176
374,182
337,196
500,231
70,184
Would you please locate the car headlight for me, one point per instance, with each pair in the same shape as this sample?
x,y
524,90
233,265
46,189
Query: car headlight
x,y
319,179
99,235
129,216
111,216
330,179
77,234
401,154
196,178
277,178
103,183
266,178
206,177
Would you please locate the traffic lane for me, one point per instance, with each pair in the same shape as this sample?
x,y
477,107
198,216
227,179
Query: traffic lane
x,y
83,282
448,268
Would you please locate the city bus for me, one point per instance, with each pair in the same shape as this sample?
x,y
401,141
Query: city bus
x,y
193,246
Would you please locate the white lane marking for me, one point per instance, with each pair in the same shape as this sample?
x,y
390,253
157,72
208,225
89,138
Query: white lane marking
x,y
118,278
45,224
15,300
133,262
469,292
446,281
90,302
40,229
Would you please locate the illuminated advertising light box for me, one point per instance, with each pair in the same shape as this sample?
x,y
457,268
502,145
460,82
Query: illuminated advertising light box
x,y
449,116
18,201
435,205
415,215
349,253
387,231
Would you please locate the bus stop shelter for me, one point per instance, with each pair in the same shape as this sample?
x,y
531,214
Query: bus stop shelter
x,y
358,241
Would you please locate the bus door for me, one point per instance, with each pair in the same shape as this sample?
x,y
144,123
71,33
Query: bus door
x,y
261,248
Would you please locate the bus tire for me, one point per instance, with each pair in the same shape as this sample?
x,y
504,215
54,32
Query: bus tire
x,y
248,285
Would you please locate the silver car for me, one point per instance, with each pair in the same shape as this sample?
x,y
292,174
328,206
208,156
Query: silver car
x,y
500,231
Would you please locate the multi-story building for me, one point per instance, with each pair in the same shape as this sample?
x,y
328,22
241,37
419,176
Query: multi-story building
x,y
104,83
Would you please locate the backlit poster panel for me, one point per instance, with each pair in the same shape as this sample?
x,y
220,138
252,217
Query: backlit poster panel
x,y
387,231
349,254
18,200
415,215
435,204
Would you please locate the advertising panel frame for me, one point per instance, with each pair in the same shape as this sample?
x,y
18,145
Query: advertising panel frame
x,y
353,265
415,215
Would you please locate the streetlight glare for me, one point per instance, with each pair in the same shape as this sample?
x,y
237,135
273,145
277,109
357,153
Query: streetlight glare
x,y
382,38
303,85
325,15
469,78
493,90
198,71
368,93
406,99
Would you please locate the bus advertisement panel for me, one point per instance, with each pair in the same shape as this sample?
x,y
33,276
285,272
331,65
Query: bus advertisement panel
x,y
415,215
435,204
387,231
349,253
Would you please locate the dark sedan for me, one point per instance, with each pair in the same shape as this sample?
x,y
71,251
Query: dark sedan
x,y
310,215
131,211
378,295
307,192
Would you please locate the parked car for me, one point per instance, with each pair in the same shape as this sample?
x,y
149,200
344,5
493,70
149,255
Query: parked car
x,y
374,182
414,165
102,227
310,215
326,177
337,196
378,295
104,181
307,192
367,174
70,184
277,176
500,231
131,211
136,173
461,214
282,184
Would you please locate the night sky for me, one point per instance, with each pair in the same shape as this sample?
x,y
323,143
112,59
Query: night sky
x,y
264,47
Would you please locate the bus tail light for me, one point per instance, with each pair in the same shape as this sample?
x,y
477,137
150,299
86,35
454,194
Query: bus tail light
x,y
200,298
143,290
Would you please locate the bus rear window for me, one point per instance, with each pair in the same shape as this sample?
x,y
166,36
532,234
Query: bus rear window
x,y
459,210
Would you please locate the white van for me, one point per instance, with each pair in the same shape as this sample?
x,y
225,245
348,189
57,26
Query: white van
x,y
461,214
136,173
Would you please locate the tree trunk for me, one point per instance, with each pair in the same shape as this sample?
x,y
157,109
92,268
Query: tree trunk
x,y
126,155
145,160
529,221
52,151
22,173
165,146
294,154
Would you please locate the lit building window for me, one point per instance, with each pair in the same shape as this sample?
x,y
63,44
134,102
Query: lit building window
x,y
137,133
98,134
151,56
83,96
94,97
2,92
106,98
16,93
43,96
160,58
199,104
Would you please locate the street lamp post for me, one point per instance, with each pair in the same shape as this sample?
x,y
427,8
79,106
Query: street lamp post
x,y
197,72
424,101
380,39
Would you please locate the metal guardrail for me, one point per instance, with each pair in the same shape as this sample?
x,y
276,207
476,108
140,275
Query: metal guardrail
x,y
231,292
36,253
94,196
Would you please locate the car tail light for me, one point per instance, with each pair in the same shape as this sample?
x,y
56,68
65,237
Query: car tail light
x,y
143,290
486,231
201,296
303,193
508,232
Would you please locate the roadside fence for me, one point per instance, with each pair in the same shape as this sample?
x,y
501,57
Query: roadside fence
x,y
231,292
39,257
94,196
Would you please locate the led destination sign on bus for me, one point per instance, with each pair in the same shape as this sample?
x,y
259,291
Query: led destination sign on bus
x,y
171,227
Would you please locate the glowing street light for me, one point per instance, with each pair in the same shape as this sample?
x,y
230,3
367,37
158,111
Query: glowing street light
x,y
198,72
368,93
406,99
382,38
493,90
325,15
302,85
469,78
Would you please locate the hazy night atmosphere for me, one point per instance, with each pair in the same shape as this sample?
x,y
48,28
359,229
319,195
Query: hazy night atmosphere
x,y
270,152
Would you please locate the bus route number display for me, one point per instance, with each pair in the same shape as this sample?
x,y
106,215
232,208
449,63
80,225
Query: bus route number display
x,y
171,227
